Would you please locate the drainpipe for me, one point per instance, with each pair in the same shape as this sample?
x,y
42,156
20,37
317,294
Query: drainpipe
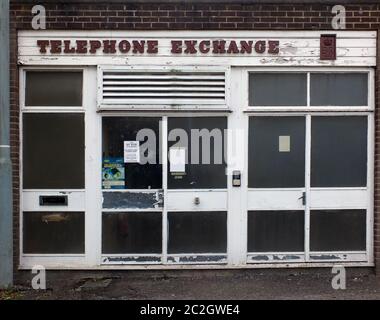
x,y
6,241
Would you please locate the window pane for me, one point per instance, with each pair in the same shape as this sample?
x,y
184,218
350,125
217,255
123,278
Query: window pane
x,y
276,152
276,231
53,151
148,174
45,88
277,89
339,89
203,140
53,233
338,230
197,232
339,151
132,232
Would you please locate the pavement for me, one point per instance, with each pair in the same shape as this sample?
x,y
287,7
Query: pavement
x,y
256,284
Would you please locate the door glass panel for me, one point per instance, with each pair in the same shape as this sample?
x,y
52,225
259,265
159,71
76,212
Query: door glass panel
x,y
55,89
197,232
276,152
132,233
276,231
339,89
339,151
53,232
338,230
53,151
277,89
142,173
202,141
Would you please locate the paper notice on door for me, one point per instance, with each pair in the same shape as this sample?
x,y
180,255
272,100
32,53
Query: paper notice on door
x,y
284,143
177,157
131,151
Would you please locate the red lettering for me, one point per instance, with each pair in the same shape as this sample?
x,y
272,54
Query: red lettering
x,y
204,46
67,48
190,46
81,46
109,46
43,44
138,47
219,46
232,48
152,46
246,47
124,46
260,46
176,46
56,46
273,47
94,46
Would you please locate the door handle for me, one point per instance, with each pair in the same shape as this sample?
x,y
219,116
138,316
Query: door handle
x,y
303,197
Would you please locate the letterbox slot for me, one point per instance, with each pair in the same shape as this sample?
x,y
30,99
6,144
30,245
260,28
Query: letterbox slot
x,y
53,200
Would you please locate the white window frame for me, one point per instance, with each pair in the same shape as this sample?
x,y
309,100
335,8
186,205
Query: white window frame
x,y
308,107
312,258
29,197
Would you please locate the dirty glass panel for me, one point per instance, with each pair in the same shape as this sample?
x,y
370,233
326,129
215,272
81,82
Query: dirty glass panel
x,y
53,232
339,151
276,231
339,89
53,151
276,152
202,140
144,174
132,233
197,232
53,88
277,89
338,230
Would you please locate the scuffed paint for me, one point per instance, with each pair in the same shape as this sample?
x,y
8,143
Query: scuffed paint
x,y
136,259
328,257
132,200
197,259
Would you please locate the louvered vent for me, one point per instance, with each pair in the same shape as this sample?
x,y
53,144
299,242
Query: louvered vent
x,y
132,87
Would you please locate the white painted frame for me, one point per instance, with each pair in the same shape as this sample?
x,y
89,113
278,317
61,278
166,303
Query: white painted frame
x,y
308,111
77,197
170,196
237,197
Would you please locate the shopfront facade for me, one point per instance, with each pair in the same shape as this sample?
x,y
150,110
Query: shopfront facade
x,y
190,148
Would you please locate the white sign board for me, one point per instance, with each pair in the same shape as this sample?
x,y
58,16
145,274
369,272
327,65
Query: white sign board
x,y
131,151
177,158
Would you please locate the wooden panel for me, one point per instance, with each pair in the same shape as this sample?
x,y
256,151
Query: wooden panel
x,y
354,48
184,200
275,199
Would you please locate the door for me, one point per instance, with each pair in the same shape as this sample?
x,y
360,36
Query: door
x,y
276,188
164,190
309,196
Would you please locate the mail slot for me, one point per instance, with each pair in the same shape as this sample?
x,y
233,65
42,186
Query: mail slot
x,y
53,201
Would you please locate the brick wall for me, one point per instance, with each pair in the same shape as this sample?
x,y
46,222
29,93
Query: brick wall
x,y
161,16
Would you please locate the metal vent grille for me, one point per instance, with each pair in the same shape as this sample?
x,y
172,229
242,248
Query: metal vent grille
x,y
130,87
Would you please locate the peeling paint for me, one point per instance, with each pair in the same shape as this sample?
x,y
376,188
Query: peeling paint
x,y
132,200
191,258
326,257
141,259
286,257
260,258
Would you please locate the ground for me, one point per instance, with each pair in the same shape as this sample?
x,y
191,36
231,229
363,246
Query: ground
x,y
208,285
